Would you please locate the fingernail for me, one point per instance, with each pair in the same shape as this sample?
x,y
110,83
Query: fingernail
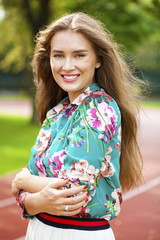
x,y
65,178
82,209
86,200
85,187
87,193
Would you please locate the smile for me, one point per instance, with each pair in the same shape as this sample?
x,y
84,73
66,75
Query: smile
x,y
70,78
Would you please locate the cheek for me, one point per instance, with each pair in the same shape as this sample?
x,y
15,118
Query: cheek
x,y
54,67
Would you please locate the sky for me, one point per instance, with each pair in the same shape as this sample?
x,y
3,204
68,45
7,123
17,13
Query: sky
x,y
1,13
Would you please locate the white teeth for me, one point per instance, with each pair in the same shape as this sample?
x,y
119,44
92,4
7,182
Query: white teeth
x,y
70,77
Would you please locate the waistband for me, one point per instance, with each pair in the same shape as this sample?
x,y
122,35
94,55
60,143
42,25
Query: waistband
x,y
73,223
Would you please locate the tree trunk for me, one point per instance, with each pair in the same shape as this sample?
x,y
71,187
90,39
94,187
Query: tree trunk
x,y
35,22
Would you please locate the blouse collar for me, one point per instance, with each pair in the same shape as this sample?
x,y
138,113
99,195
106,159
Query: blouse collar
x,y
92,88
65,103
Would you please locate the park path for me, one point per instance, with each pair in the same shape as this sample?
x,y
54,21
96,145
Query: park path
x,y
16,107
140,214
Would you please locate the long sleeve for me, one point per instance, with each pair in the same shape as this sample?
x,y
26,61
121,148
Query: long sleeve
x,y
92,154
81,140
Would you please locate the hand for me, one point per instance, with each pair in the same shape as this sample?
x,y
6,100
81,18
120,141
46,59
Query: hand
x,y
53,200
23,174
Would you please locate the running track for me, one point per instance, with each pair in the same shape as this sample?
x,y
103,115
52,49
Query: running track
x,y
140,214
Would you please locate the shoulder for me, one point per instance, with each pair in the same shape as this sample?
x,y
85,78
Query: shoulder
x,y
101,101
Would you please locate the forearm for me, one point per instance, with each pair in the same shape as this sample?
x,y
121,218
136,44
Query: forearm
x,y
32,183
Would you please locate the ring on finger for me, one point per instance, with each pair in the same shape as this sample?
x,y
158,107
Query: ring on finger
x,y
66,208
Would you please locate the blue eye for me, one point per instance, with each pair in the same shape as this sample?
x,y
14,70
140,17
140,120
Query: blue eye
x,y
57,55
80,55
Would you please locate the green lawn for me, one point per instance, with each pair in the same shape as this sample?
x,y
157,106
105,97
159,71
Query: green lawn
x,y
17,138
150,104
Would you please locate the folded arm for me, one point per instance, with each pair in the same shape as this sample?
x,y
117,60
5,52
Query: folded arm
x,y
42,194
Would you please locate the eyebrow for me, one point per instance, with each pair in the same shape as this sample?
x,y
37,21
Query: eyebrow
x,y
76,51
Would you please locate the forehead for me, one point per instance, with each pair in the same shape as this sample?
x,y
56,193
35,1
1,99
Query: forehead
x,y
70,39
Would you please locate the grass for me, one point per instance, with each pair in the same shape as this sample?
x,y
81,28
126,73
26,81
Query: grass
x,y
17,137
20,96
150,104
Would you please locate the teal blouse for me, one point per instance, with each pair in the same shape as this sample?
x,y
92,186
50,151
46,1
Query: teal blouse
x,y
81,141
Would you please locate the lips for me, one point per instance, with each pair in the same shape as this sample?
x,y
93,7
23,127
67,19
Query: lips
x,y
70,77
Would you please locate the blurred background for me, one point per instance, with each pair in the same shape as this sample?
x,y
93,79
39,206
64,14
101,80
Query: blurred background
x,y
135,24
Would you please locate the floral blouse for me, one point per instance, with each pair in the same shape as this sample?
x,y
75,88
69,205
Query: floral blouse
x,y
81,141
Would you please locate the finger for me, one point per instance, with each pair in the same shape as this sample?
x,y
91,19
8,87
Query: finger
x,y
72,191
76,206
58,183
74,200
70,213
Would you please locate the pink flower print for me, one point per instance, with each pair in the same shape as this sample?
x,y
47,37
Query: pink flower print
x,y
56,162
39,165
51,113
110,205
94,120
101,136
58,108
117,195
119,133
43,141
107,169
78,144
117,145
83,171
84,213
108,113
70,111
109,150
81,97
87,102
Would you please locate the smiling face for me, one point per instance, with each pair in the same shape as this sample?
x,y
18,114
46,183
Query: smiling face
x,y
73,62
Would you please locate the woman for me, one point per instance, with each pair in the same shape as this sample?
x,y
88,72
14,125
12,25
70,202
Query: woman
x,y
85,93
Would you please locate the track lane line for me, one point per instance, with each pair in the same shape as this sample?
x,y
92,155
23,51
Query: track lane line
x,y
7,202
132,193
141,189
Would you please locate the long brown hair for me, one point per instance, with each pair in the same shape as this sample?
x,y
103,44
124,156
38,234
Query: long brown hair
x,y
114,76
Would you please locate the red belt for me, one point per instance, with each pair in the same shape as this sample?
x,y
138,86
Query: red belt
x,y
73,223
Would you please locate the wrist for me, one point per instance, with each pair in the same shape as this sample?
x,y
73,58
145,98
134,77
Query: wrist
x,y
20,181
32,204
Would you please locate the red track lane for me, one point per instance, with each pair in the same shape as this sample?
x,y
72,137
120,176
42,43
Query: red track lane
x,y
140,215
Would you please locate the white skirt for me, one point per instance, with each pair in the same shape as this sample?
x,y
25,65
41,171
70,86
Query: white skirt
x,y
40,231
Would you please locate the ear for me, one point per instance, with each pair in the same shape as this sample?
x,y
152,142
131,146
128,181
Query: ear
x,y
98,64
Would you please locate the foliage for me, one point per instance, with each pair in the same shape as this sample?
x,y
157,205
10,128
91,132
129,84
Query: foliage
x,y
17,137
131,21
150,51
148,59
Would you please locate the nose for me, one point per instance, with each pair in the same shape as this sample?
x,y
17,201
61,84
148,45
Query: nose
x,y
68,64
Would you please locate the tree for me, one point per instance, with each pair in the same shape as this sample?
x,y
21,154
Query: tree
x,y
131,22
27,18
